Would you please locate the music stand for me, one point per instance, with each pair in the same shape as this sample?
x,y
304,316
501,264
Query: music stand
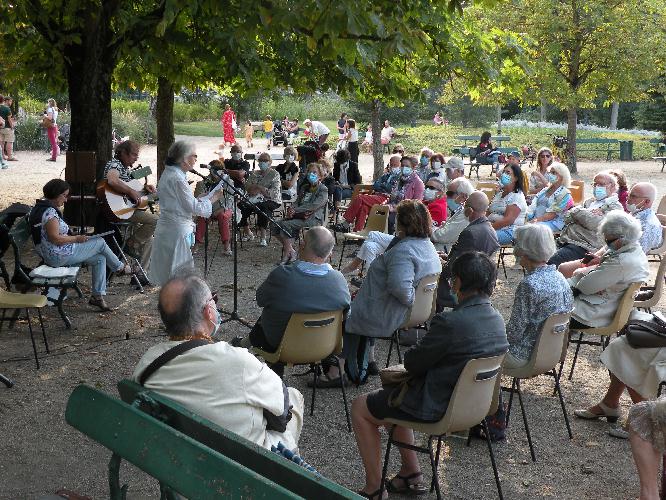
x,y
80,169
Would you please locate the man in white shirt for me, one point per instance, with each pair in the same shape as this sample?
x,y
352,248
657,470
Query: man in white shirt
x,y
457,193
225,384
318,129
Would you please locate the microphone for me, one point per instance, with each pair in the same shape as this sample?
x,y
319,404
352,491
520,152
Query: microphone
x,y
197,173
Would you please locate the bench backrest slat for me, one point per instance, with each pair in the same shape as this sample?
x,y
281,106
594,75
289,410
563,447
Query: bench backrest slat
x,y
597,140
239,449
174,459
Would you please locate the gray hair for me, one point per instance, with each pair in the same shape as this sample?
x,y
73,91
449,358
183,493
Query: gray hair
x,y
181,318
563,171
462,186
534,241
439,183
620,225
319,241
178,151
609,174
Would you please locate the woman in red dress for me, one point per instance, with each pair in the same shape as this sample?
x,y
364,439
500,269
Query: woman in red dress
x,y
228,124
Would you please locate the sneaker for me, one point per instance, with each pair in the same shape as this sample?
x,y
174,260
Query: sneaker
x,y
50,159
4,166
262,242
618,432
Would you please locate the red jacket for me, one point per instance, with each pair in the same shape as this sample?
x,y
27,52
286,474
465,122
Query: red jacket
x,y
437,209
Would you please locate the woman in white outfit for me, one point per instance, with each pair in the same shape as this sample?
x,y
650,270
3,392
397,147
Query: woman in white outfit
x,y
174,234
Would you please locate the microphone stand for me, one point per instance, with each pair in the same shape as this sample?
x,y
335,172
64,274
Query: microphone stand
x,y
238,194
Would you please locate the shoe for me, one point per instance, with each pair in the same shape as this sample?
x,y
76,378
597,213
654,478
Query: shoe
x,y
50,159
247,237
291,257
262,242
610,414
341,227
227,252
4,166
356,281
408,487
236,341
99,302
325,382
13,158
618,432
375,494
373,369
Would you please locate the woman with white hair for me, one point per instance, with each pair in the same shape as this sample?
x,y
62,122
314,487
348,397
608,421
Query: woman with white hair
x,y
602,286
174,234
552,202
541,293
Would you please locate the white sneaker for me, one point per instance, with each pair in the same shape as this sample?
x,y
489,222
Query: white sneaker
x,y
262,242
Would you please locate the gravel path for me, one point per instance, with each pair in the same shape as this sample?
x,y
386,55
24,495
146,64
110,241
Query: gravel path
x,y
41,453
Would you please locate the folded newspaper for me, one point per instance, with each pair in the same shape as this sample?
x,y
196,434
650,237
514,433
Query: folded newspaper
x,y
53,272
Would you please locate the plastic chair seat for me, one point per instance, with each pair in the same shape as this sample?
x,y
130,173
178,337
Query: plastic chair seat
x,y
10,300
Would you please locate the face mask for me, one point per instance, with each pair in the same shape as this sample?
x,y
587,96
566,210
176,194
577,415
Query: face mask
x,y
235,156
395,171
424,161
611,243
290,158
218,321
600,192
436,165
407,171
263,165
552,178
452,204
632,208
429,194
505,179
313,178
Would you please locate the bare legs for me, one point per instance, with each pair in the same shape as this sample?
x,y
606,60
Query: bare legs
x,y
352,266
366,431
613,394
647,462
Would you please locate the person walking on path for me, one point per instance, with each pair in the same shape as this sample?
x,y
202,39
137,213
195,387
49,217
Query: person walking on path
x,y
229,125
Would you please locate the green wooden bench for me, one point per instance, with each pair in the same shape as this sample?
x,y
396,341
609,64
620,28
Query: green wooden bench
x,y
659,146
599,144
186,453
474,139
473,165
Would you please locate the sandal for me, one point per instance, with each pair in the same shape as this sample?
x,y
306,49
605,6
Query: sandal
x,y
409,488
129,270
100,302
375,494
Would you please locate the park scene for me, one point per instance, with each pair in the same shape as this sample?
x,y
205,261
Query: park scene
x,y
333,250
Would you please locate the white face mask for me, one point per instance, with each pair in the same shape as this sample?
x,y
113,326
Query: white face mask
x,y
429,194
436,165
632,208
289,158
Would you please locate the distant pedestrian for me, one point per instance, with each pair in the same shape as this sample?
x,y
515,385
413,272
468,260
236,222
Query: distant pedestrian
x,y
249,133
229,125
268,129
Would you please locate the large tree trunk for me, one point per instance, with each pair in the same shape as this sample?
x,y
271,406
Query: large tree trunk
x,y
572,119
615,108
499,120
377,146
164,118
542,111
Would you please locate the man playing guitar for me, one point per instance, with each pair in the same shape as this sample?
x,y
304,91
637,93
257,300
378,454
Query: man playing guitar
x,y
117,175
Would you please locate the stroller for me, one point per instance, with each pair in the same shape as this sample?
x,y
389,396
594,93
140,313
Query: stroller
x,y
63,137
279,134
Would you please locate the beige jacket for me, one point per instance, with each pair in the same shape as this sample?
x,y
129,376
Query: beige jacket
x,y
581,224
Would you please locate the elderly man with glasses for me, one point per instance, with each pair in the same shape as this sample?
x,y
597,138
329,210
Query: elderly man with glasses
x,y
456,195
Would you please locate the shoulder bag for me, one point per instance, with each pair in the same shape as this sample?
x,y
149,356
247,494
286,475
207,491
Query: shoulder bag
x,y
397,379
167,356
642,333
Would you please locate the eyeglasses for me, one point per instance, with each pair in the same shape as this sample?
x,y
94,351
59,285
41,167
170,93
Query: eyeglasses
x,y
600,184
544,155
636,197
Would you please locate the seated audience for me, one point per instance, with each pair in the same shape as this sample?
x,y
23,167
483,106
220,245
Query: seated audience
x,y
579,235
423,170
437,168
600,287
646,423
622,187
542,293
552,202
222,209
383,301
237,168
288,171
538,180
434,197
456,195
640,203
308,211
474,329
454,168
58,248
246,397
308,285
508,208
346,175
478,236
263,189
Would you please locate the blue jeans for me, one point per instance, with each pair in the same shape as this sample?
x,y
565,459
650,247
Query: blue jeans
x,y
97,254
555,225
567,253
341,193
505,235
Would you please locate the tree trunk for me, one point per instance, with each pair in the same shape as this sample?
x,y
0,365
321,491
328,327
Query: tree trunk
x,y
542,111
615,108
572,119
499,120
377,146
164,118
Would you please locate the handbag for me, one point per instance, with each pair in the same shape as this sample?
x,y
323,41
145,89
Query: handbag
x,y
397,379
47,122
641,333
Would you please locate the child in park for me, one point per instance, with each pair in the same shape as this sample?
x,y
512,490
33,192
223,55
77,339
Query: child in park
x,y
249,133
268,129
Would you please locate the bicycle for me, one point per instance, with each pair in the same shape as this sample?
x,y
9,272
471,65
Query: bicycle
x,y
558,146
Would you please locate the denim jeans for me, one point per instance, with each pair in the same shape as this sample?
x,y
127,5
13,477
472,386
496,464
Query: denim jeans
x,y
555,225
567,253
505,235
97,254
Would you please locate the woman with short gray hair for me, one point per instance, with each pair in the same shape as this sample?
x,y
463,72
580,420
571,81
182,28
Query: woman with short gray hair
x,y
174,234
541,293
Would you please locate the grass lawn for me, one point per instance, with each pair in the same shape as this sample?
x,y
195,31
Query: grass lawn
x,y
208,128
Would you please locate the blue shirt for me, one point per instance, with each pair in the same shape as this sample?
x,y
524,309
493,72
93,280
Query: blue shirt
x,y
652,233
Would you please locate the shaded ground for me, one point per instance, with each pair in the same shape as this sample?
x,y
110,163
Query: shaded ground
x,y
41,453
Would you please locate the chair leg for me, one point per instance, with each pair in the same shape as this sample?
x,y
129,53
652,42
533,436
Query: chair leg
x,y
559,375
32,337
558,389
59,301
492,459
41,323
344,394
433,482
390,351
78,291
527,427
315,372
387,455
573,363
7,381
342,253
433,465
508,408
397,346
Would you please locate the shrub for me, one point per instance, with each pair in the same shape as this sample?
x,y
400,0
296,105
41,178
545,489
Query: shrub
x,y
184,112
141,128
138,108
31,136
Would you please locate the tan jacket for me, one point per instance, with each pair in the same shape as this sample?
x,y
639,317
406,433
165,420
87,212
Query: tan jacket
x,y
581,224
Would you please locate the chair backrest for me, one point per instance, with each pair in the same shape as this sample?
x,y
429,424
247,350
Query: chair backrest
x,y
577,193
311,337
661,248
624,307
423,307
657,290
361,188
550,342
482,185
662,205
378,219
473,394
490,193
11,236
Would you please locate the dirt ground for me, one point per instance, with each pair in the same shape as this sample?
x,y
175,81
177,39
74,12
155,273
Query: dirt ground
x,y
41,453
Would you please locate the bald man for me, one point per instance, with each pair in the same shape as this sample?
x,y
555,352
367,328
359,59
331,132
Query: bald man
x,y
640,204
225,384
478,236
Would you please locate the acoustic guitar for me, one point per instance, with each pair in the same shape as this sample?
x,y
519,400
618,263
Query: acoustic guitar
x,y
118,207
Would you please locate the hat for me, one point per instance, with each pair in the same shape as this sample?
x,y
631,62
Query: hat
x,y
515,154
455,163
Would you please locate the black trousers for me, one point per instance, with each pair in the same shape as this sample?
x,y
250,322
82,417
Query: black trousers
x,y
246,210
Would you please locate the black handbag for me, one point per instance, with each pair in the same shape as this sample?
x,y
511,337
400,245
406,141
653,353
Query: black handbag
x,y
642,333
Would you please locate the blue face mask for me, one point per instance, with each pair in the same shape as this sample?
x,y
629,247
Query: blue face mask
x,y
263,165
552,178
505,179
424,161
454,296
235,156
600,192
407,171
313,178
218,321
452,204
